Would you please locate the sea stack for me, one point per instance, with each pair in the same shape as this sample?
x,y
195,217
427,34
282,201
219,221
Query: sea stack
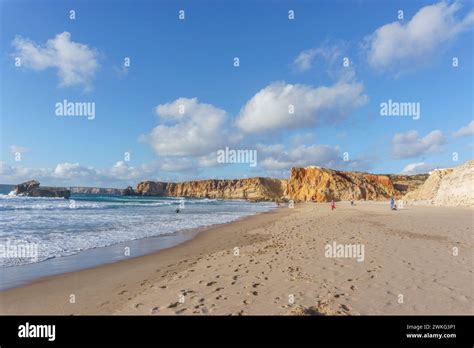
x,y
32,189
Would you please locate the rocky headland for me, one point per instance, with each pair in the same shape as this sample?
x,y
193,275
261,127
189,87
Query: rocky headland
x,y
32,189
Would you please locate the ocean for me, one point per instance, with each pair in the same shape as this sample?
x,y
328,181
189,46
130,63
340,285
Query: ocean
x,y
101,228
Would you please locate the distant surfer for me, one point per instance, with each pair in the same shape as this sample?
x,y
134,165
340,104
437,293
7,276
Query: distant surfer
x,y
177,210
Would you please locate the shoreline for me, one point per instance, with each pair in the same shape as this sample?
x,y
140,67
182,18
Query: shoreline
x,y
18,275
26,274
281,255
201,235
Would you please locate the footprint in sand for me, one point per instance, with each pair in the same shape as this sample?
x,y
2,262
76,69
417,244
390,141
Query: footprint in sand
x,y
211,283
345,308
173,305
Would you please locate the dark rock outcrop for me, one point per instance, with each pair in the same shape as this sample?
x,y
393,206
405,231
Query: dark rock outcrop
x,y
128,191
32,189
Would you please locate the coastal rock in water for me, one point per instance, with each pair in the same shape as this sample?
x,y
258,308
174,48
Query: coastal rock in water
x,y
446,187
323,185
26,186
254,189
128,191
32,189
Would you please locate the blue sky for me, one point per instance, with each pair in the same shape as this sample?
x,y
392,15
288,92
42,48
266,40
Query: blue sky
x,y
190,63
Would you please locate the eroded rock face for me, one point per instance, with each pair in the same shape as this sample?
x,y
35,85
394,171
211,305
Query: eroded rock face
x,y
446,187
26,187
323,185
305,184
32,189
407,183
254,189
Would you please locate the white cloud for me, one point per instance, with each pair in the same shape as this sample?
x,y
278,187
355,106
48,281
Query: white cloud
x,y
76,62
269,109
408,145
72,170
465,131
195,129
397,45
306,59
14,149
417,168
277,157
16,174
74,174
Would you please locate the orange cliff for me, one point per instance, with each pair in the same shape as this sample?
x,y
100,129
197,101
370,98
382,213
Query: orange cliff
x,y
323,185
305,184
253,189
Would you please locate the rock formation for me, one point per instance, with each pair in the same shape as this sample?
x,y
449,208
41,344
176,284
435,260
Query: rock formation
x,y
253,189
446,187
305,184
128,191
407,183
32,189
323,185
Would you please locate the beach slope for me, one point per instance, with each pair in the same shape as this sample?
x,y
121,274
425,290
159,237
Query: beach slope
x,y
417,260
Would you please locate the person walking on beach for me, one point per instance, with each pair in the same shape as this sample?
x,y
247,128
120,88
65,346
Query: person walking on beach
x,y
333,205
393,205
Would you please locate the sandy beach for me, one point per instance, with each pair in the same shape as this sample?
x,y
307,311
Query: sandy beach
x,y
275,263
